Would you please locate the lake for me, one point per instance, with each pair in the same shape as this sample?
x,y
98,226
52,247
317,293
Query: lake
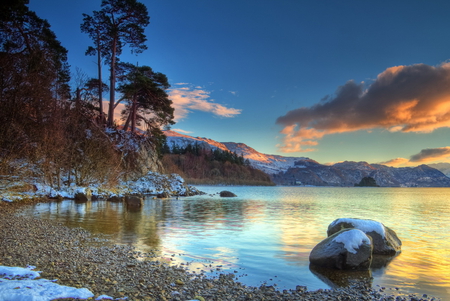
x,y
265,235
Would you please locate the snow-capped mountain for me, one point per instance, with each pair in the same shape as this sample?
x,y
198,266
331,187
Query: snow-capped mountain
x,y
305,171
270,164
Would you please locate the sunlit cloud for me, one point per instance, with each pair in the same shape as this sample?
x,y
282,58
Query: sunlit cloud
x,y
187,99
412,98
425,156
181,131
397,162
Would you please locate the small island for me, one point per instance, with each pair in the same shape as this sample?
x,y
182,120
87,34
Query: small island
x,y
367,182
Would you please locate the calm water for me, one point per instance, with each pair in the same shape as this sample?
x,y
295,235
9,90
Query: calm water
x,y
266,234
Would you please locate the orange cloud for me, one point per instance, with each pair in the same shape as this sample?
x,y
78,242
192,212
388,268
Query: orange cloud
x,y
396,162
428,155
295,139
412,98
186,99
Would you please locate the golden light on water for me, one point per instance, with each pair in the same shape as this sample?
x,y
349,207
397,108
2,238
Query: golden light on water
x,y
275,233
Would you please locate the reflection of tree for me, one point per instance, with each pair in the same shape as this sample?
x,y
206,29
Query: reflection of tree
x,y
103,217
223,211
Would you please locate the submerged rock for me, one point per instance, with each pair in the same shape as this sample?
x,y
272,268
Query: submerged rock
x,y
348,249
227,194
385,240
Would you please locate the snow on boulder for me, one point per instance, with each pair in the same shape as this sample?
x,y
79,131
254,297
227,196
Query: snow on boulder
x,y
385,240
348,249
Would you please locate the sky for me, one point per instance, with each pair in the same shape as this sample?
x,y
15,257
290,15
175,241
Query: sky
x,y
329,80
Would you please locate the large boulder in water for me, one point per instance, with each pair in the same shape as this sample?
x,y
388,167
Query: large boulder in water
x,y
133,202
227,194
385,240
349,249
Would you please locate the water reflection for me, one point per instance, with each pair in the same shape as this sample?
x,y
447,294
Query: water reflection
x,y
340,278
268,232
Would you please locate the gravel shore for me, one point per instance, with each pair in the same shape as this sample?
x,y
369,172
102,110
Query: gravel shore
x,y
77,258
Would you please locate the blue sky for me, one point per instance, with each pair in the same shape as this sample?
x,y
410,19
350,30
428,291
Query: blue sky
x,y
275,74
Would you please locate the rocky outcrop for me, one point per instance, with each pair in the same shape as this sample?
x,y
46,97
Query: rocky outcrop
x,y
385,240
348,249
227,194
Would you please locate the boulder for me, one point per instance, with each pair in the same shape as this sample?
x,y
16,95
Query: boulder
x,y
133,202
227,194
385,240
81,197
163,195
348,249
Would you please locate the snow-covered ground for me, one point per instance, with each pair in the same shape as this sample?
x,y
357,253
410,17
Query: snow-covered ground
x,y
153,183
25,284
20,284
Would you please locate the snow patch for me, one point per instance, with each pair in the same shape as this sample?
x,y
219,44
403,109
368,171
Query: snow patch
x,y
18,284
365,225
352,239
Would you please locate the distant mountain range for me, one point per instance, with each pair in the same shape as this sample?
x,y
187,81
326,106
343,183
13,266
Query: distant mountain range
x,y
305,171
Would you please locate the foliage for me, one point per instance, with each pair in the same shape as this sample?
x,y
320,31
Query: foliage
x,y
200,166
118,23
368,182
33,78
147,100
58,139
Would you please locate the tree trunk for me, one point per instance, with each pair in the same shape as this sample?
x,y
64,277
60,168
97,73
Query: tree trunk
x,y
100,82
112,85
134,112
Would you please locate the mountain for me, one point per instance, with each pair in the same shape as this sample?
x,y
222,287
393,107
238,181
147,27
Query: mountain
x,y
305,171
349,173
444,167
270,164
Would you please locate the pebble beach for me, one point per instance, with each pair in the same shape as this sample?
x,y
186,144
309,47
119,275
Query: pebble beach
x,y
82,260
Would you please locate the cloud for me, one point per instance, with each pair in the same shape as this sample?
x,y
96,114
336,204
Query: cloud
x,y
412,98
428,155
181,131
187,99
396,162
432,154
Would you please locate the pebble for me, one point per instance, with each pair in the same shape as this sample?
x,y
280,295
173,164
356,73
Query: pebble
x,y
77,258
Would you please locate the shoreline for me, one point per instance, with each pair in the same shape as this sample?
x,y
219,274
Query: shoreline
x,y
80,259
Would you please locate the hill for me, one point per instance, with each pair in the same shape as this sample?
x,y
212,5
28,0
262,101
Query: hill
x,y
304,171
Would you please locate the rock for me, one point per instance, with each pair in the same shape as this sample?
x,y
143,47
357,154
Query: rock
x,y
133,201
163,195
385,240
348,249
115,199
227,194
81,197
